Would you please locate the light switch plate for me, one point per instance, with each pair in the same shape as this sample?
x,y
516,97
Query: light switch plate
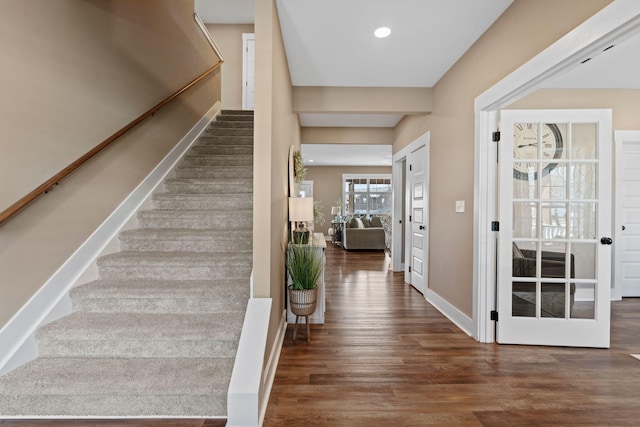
x,y
459,206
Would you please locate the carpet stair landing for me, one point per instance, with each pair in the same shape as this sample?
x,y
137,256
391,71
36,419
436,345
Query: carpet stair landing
x,y
156,334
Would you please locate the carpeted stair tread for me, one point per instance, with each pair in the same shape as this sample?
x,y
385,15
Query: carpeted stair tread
x,y
224,150
195,219
203,240
232,186
231,117
203,201
161,296
170,289
237,124
228,131
225,140
228,112
220,172
177,327
172,258
209,160
162,376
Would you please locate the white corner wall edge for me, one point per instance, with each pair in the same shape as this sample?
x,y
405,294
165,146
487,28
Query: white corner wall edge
x,y
461,320
246,385
18,331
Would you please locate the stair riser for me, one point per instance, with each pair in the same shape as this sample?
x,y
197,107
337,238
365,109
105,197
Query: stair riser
x,y
213,187
242,172
186,272
232,117
222,150
204,204
162,245
214,220
124,406
228,132
189,161
139,347
232,124
195,305
225,140
248,113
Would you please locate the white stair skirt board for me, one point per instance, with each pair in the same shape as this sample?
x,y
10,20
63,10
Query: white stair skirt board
x,y
21,327
244,396
38,309
637,356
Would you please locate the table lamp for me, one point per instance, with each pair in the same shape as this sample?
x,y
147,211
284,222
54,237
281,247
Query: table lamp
x,y
300,212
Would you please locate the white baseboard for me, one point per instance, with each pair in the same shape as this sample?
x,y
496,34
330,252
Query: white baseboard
x,y
19,330
460,319
272,365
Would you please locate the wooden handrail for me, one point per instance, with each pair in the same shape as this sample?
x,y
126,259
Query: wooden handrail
x,y
44,187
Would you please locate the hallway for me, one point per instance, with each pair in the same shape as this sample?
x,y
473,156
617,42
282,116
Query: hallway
x,y
385,357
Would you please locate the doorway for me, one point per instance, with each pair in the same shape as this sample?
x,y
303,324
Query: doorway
x,y
410,229
611,26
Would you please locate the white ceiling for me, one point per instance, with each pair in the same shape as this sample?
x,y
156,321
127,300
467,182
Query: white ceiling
x,y
331,42
346,155
225,11
614,68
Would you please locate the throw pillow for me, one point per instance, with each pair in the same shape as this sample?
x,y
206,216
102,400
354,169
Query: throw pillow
x,y
376,221
366,222
353,223
517,253
360,223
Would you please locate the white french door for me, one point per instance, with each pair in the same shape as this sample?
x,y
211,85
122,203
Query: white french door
x,y
419,221
554,246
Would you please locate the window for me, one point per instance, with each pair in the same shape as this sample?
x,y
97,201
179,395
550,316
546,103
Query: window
x,y
366,194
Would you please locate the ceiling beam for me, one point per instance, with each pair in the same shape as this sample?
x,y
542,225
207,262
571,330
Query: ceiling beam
x,y
362,100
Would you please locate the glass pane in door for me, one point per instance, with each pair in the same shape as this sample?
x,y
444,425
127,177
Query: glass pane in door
x,y
555,202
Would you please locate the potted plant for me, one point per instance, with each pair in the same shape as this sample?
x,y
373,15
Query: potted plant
x,y
304,265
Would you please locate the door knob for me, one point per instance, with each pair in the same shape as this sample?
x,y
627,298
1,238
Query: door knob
x,y
606,240
421,227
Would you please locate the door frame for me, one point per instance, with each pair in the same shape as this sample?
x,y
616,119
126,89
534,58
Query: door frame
x,y
398,239
620,137
611,25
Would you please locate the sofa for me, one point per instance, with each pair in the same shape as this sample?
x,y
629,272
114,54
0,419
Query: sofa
x,y
552,300
364,234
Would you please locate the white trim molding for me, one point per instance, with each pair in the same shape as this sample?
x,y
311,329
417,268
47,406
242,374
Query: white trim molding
x,y
614,23
460,319
272,364
45,305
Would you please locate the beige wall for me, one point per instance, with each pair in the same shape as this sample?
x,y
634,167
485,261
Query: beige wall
x,y
514,38
625,103
276,128
228,38
333,135
327,187
75,72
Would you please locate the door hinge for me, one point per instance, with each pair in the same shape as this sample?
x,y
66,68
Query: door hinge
x,y
409,218
410,167
409,269
495,225
494,315
495,136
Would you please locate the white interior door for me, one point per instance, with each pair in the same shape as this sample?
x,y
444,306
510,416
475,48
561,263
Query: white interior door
x,y
554,247
419,220
248,70
627,243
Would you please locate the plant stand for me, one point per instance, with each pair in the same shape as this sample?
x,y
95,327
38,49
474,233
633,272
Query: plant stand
x,y
303,304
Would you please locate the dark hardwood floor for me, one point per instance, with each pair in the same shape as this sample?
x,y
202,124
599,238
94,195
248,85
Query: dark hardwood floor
x,y
385,357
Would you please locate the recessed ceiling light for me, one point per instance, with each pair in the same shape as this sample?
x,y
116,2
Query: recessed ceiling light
x,y
382,32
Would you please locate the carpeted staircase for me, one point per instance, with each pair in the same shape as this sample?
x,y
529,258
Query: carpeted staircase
x,y
157,334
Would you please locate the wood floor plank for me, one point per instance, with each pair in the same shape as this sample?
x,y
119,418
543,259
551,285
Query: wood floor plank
x,y
385,357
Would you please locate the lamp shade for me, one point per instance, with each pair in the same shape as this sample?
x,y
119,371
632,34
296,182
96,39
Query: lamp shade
x,y
335,210
300,209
